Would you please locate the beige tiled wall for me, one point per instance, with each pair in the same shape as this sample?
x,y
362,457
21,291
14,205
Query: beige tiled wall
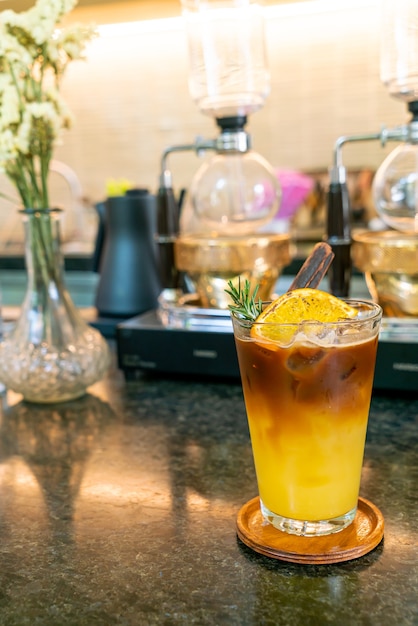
x,y
130,99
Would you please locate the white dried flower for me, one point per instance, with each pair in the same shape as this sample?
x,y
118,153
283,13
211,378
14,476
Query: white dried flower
x,y
9,111
33,57
8,148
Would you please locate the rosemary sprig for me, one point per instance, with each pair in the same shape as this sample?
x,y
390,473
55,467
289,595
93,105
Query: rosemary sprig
x,y
245,304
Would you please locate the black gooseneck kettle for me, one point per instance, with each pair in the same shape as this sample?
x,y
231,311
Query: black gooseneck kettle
x,y
126,255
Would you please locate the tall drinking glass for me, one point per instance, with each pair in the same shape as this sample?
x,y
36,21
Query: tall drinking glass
x,y
307,395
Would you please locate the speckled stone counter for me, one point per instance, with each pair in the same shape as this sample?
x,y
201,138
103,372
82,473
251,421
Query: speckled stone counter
x,y
120,508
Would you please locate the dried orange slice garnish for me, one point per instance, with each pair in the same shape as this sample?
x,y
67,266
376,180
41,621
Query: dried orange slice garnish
x,y
296,306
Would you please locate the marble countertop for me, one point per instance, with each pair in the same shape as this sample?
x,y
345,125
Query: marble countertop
x,y
120,508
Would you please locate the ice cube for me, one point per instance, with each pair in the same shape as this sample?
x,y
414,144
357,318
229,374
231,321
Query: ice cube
x,y
303,360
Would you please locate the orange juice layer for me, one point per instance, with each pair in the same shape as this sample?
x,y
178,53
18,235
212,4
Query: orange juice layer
x,y
307,410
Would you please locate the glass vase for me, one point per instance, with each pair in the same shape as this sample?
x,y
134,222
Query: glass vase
x,y
52,354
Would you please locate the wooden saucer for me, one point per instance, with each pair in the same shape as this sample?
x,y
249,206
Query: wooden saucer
x,y
362,536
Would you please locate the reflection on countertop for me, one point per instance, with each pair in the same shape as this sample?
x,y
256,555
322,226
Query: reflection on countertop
x,y
120,508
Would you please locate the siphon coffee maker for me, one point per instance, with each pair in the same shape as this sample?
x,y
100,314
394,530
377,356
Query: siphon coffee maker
x,y
388,257
221,234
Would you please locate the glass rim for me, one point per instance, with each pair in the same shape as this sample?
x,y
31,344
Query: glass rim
x,y
374,311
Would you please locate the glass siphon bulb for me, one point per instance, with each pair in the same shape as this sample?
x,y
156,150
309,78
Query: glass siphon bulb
x,y
234,194
395,188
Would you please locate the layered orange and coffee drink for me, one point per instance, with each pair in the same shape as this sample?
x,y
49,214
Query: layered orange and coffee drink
x,y
307,366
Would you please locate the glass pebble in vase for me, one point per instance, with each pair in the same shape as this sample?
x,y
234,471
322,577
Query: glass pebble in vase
x,y
52,354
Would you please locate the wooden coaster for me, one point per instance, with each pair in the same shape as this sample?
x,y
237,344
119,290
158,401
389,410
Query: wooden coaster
x,y
363,534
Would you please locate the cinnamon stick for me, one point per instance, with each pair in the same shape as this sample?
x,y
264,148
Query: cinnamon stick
x,y
314,268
